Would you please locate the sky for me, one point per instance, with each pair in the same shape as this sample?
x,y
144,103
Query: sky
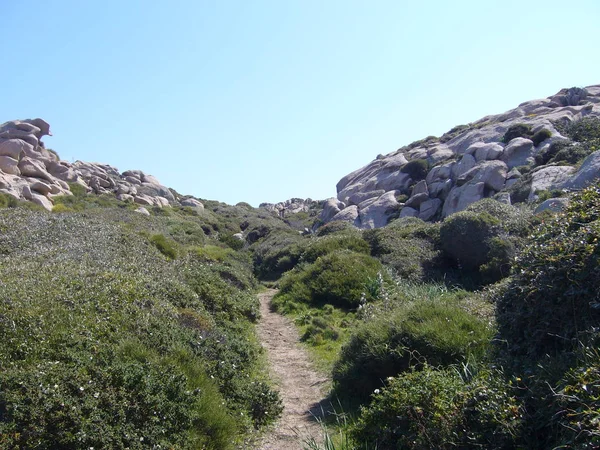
x,y
265,100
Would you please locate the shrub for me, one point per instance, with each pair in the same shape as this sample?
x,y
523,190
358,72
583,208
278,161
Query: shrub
x,y
552,302
515,131
440,409
465,237
409,246
350,240
337,278
277,254
164,245
61,208
334,227
417,169
424,332
231,241
540,136
8,201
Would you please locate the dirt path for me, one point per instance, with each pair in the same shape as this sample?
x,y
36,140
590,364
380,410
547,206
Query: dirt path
x,y
300,386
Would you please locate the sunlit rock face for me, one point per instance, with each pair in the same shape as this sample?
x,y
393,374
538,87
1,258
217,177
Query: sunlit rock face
x,y
468,163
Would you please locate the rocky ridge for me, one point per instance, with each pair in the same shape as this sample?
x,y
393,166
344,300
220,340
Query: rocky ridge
x,y
436,177
29,171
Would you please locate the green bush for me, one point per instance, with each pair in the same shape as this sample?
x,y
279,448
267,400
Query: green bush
x,y
8,201
321,246
164,245
417,169
515,131
440,409
485,237
334,227
424,332
277,254
337,278
466,236
552,302
540,136
408,245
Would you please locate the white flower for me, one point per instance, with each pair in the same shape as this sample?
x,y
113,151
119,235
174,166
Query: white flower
x,y
376,391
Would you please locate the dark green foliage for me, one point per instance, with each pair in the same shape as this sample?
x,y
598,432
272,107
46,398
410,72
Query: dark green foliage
x,y
77,190
585,139
409,246
8,201
440,409
334,227
347,240
165,246
584,130
231,241
517,130
465,237
337,278
417,169
277,254
425,332
484,237
455,131
553,299
540,136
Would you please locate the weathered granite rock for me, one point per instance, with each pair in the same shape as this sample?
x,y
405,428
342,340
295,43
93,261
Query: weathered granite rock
x,y
349,214
429,209
491,173
143,211
518,152
407,211
9,165
485,152
378,213
462,196
331,207
548,178
193,203
466,163
589,171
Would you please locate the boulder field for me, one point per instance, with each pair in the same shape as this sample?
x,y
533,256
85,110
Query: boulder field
x,y
29,171
436,177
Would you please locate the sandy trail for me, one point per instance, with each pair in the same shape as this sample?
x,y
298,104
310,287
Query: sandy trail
x,y
300,386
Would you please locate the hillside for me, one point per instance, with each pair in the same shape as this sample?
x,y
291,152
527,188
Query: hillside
x,y
510,157
449,298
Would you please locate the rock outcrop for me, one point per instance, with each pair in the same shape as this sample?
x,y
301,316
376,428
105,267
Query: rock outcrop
x,y
28,171
470,162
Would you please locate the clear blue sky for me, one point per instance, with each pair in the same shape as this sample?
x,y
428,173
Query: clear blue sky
x,y
260,101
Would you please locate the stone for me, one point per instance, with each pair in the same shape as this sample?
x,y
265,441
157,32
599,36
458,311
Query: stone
x,y
125,198
518,152
42,201
349,214
144,200
150,179
41,187
407,211
416,200
438,154
487,152
9,165
441,172
491,173
377,214
32,168
586,175
143,211
553,204
161,201
429,208
239,236
192,203
466,163
331,207
462,196
14,148
359,197
132,180
548,178
156,190
440,189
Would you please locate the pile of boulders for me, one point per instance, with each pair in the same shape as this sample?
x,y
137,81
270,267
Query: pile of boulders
x,y
28,171
467,164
